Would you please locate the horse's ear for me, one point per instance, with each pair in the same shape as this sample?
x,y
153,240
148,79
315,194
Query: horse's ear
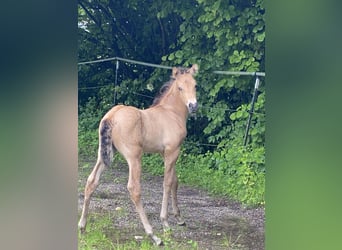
x,y
174,72
194,69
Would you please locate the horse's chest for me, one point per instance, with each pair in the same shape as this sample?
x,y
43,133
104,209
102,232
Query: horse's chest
x,y
157,139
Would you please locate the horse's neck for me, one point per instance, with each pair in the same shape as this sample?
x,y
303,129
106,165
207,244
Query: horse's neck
x,y
172,101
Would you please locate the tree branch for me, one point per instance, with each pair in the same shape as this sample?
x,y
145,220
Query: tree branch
x,y
163,34
89,14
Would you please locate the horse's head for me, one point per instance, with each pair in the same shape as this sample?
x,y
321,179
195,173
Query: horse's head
x,y
186,85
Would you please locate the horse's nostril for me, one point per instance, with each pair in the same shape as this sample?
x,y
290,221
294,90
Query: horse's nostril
x,y
193,106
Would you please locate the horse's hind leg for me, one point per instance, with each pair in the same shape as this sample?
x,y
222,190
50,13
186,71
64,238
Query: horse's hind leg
x,y
92,183
170,185
105,154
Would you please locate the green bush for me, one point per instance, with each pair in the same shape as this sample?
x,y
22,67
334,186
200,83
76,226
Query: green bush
x,y
236,172
232,170
88,122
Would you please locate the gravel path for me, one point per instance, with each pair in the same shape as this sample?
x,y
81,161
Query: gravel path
x,y
210,221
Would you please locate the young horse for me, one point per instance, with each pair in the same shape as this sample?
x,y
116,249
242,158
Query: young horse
x,y
158,129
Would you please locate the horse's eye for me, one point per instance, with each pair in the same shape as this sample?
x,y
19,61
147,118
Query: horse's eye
x,y
180,89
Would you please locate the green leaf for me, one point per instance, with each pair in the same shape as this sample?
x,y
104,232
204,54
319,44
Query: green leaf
x,y
171,56
239,114
179,54
261,37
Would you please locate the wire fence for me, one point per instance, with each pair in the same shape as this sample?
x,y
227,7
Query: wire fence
x,y
236,73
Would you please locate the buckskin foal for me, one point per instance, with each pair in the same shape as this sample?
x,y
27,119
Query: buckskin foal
x,y
159,129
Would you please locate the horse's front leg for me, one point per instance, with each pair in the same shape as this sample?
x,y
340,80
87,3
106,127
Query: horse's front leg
x,y
134,189
175,207
170,159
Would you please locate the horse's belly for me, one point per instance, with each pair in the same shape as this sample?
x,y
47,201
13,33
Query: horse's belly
x,y
153,146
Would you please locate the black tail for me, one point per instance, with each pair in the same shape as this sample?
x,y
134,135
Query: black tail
x,y
106,145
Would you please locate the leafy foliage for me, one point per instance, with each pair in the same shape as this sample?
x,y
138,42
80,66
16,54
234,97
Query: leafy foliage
x,y
227,35
87,129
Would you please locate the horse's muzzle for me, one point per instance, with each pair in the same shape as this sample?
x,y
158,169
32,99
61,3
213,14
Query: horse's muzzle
x,y
192,106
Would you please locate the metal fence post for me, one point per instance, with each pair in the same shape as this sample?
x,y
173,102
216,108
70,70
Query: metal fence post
x,y
116,80
256,86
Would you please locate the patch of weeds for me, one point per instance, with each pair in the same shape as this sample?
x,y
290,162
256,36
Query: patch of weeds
x,y
153,163
170,243
192,244
101,234
84,170
233,244
95,238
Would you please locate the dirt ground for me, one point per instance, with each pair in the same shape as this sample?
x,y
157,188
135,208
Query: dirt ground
x,y
211,221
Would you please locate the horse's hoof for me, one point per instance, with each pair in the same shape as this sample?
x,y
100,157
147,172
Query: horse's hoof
x,y
157,241
81,227
181,223
82,230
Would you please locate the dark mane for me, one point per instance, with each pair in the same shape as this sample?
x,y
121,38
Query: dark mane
x,y
166,86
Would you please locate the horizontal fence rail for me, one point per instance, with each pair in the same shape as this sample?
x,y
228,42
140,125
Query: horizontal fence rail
x,y
169,67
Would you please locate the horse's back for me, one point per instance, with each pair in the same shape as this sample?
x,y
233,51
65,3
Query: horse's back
x,y
152,130
121,114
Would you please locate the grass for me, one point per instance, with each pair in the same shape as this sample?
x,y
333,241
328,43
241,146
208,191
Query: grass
x,y
95,236
100,234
